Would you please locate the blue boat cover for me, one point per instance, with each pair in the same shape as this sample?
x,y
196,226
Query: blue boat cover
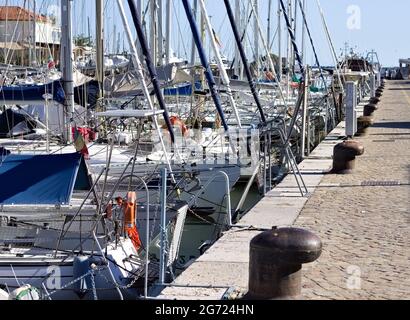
x,y
38,179
182,90
33,92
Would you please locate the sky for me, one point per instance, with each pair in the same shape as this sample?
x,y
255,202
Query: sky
x,y
364,25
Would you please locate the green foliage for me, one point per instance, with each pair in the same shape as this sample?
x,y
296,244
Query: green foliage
x,y
82,41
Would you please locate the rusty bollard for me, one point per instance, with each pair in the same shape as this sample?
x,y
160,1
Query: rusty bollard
x,y
275,264
344,156
374,100
363,123
369,109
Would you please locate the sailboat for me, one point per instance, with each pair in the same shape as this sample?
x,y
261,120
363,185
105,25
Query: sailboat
x,y
88,248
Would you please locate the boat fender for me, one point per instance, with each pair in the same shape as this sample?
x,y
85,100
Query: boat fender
x,y
26,292
81,266
3,295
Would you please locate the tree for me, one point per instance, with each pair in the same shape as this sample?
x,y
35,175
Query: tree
x,y
83,41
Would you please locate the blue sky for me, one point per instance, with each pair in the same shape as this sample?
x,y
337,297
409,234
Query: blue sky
x,y
382,25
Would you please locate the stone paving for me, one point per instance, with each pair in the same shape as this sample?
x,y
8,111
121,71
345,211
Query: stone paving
x,y
366,229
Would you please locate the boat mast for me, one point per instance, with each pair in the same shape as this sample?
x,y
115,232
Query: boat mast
x,y
24,32
224,74
160,36
5,51
30,32
237,67
268,31
34,46
140,9
295,16
88,29
168,31
193,48
153,30
205,63
114,40
118,43
256,36
332,48
140,74
151,68
269,58
303,32
280,42
318,64
292,38
67,78
100,50
244,60
288,53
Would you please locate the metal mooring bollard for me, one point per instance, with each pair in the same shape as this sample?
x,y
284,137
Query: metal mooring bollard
x,y
374,100
275,264
369,109
363,123
344,156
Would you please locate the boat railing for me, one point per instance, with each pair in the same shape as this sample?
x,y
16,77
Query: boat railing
x,y
102,207
195,197
291,160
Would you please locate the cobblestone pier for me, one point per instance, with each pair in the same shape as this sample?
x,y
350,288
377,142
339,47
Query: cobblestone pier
x,y
363,218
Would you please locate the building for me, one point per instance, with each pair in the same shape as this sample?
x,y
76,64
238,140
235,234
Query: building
x,y
27,38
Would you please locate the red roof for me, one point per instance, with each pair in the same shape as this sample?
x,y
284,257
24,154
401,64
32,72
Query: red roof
x,y
14,13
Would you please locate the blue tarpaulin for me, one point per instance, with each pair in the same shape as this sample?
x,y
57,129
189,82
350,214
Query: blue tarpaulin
x,y
33,92
182,90
38,179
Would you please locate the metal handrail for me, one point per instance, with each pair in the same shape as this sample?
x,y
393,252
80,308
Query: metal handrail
x,y
289,154
146,229
227,190
63,233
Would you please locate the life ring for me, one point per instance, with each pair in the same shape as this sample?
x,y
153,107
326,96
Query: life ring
x,y
269,76
130,214
295,85
175,121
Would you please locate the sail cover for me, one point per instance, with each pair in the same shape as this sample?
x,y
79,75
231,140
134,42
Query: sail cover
x,y
34,92
38,179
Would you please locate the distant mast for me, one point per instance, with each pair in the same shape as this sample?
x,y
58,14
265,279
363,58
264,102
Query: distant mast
x,y
153,31
256,36
280,42
67,67
100,47
237,66
168,32
160,37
